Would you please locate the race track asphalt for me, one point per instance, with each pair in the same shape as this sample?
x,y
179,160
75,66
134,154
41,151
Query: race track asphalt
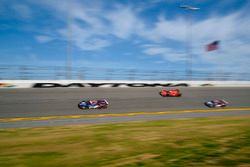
x,y
43,102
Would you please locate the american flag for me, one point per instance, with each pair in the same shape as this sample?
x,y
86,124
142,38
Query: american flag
x,y
212,46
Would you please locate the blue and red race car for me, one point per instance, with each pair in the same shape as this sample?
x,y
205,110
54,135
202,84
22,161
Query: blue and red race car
x,y
216,103
171,93
93,104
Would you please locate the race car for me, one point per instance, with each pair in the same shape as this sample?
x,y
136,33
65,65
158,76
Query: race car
x,y
93,104
216,103
171,93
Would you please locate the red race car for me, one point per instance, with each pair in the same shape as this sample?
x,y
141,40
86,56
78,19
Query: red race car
x,y
171,93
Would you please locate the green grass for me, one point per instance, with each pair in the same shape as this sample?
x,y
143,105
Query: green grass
x,y
221,141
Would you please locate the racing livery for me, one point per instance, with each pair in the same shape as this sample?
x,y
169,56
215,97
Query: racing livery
x,y
216,103
171,93
93,104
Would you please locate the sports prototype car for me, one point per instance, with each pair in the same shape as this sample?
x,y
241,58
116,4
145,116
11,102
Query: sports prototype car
x,y
171,93
216,103
93,104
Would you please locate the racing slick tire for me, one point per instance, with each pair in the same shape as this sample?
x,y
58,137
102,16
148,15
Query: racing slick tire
x,y
103,107
82,108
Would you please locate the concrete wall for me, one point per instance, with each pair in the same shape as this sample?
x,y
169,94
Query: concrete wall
x,y
116,83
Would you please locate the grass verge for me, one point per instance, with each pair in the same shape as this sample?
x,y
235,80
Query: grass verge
x,y
220,141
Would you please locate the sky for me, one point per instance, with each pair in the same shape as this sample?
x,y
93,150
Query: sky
x,y
131,34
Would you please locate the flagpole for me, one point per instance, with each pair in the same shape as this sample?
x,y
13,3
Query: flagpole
x,y
218,72
219,51
212,47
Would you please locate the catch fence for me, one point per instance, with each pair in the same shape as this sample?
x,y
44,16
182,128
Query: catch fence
x,y
24,72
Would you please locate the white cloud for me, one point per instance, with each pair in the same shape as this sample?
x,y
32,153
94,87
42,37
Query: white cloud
x,y
232,56
43,38
22,11
223,28
232,30
92,44
166,53
123,22
165,29
85,39
100,26
84,26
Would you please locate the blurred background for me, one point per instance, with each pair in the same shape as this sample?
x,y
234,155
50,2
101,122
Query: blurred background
x,y
125,40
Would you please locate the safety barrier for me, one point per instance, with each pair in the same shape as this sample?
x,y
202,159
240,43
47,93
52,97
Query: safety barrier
x,y
116,83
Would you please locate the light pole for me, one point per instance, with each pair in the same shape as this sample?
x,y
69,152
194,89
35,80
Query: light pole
x,y
189,40
69,48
